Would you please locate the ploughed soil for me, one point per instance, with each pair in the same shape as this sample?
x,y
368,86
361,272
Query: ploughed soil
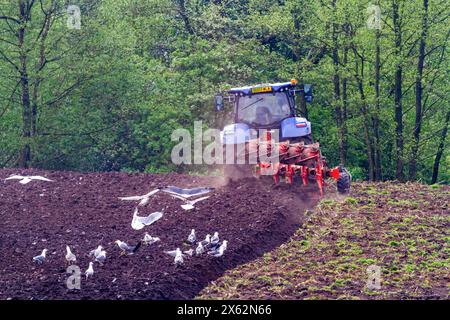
x,y
82,210
385,240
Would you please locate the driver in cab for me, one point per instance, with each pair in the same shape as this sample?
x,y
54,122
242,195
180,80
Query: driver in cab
x,y
263,116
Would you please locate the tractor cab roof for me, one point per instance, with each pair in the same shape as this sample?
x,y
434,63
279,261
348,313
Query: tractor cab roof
x,y
263,88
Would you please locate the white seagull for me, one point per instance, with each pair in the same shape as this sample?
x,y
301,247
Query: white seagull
x,y
189,204
27,179
219,252
40,258
173,253
200,249
148,239
70,257
178,257
126,249
139,223
207,240
96,252
191,239
90,271
215,239
143,199
101,257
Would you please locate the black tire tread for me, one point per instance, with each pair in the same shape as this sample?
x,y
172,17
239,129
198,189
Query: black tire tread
x,y
343,183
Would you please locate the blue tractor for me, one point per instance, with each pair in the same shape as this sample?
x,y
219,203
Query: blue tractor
x,y
268,137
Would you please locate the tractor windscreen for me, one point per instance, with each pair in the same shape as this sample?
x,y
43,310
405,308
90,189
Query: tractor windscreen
x,y
263,109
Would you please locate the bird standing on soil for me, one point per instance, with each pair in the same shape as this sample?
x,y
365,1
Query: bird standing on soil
x,y
143,199
40,258
220,251
191,239
189,204
126,249
27,179
178,257
215,239
90,271
200,249
207,240
148,239
70,257
101,257
96,252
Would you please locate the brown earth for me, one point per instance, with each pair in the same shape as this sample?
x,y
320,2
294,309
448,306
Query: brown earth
x,y
82,210
401,229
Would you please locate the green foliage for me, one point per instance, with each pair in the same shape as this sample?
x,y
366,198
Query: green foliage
x,y
111,94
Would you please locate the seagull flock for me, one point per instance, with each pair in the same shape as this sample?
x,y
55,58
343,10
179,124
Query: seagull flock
x,y
210,245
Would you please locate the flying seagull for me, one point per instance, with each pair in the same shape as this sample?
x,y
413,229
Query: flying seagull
x,y
187,193
173,253
27,179
40,258
70,257
219,252
189,204
126,249
143,199
148,239
191,239
96,252
139,223
90,271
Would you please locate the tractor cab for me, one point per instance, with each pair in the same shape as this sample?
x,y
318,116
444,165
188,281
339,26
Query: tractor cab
x,y
267,106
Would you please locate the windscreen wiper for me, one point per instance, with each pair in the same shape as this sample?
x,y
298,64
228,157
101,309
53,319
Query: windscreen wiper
x,y
252,104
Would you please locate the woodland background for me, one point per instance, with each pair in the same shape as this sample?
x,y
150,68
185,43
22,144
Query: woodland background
x,y
107,97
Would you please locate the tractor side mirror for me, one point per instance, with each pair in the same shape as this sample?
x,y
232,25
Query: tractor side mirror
x,y
308,90
219,102
308,93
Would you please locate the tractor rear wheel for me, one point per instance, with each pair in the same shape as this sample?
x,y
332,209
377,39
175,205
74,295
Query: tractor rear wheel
x,y
343,183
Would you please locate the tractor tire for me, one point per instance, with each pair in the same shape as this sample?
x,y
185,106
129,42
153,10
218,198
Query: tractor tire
x,y
344,181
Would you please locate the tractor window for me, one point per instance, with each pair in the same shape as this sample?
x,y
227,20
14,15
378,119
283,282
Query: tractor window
x,y
263,109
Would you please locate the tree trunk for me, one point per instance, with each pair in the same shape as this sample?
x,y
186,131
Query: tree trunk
x,y
440,151
25,154
184,16
337,91
40,65
419,90
359,75
376,116
343,155
398,92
